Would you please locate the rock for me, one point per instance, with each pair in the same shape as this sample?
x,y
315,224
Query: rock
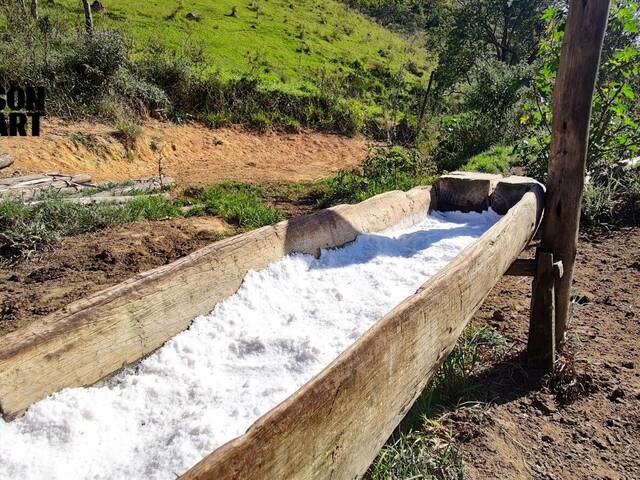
x,y
583,297
628,364
5,161
599,443
617,395
544,405
81,178
192,17
498,316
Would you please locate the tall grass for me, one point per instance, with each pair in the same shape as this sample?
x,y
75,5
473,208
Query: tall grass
x,y
25,228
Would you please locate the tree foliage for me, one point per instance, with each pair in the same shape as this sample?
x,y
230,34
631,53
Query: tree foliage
x,y
615,124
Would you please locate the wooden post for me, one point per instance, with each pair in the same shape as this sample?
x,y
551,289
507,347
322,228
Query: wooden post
x,y
572,96
541,347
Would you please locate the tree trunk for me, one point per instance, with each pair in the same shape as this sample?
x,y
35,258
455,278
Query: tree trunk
x,y
572,97
88,17
423,106
34,9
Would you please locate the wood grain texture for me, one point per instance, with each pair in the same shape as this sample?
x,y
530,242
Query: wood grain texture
x,y
95,337
541,344
333,426
572,96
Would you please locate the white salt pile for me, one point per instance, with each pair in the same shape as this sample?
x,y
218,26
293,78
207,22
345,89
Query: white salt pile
x,y
211,382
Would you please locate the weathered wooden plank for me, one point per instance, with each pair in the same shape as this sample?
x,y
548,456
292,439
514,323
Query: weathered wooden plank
x,y
333,426
92,338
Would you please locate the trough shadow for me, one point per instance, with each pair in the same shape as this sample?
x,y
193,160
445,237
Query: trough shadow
x,y
406,246
505,381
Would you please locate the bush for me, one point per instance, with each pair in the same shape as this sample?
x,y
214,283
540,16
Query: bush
x,y
497,159
92,64
384,169
128,132
612,199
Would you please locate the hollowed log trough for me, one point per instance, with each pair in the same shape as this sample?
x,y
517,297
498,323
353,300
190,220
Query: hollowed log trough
x,y
334,425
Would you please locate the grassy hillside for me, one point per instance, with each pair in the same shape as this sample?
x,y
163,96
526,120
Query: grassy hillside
x,y
287,43
309,63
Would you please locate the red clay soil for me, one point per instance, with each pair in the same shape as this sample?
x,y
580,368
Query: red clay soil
x,y
584,421
194,154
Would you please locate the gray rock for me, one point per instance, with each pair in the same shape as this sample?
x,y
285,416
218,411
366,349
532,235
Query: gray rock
x,y
5,161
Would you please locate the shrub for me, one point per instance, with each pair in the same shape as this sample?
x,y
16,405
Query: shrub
x,y
128,132
497,159
384,169
612,199
93,62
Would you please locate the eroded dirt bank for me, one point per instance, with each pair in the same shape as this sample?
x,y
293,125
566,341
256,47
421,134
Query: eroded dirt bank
x,y
192,153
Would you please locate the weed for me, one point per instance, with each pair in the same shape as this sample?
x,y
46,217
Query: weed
x,y
25,228
422,447
128,132
418,456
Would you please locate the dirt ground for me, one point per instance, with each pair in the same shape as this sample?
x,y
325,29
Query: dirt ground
x,y
79,266
192,153
585,421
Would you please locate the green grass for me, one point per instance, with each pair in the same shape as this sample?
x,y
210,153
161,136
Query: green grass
x,y
285,43
25,228
239,204
497,159
423,446
418,456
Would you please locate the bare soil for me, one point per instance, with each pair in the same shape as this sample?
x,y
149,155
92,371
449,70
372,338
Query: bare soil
x,y
34,287
584,421
194,154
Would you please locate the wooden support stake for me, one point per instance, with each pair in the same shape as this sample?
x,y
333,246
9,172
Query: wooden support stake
x,y
541,348
572,96
522,267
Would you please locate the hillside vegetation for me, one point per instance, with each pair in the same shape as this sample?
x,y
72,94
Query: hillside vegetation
x,y
285,43
306,63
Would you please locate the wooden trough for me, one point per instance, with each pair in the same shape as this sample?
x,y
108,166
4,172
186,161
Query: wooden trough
x,y
335,424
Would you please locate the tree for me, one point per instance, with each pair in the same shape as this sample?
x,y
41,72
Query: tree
x,y
88,17
615,130
506,30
